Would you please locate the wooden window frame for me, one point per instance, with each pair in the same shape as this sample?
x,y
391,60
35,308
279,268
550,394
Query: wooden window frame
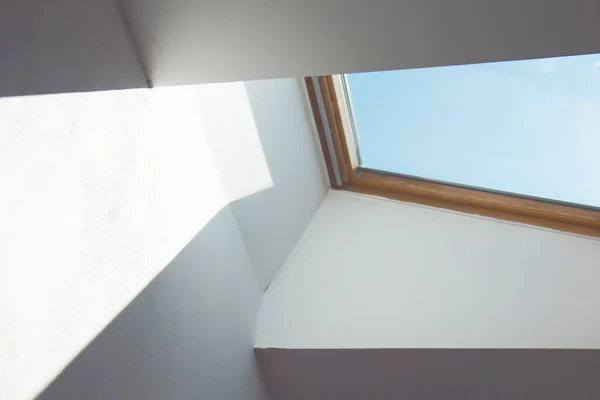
x,y
345,174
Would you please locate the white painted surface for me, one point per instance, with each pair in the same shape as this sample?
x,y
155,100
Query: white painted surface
x,y
273,220
64,46
372,273
99,192
191,41
187,336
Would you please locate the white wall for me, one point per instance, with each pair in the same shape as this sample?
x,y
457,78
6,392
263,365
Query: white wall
x,y
273,220
100,191
191,41
187,336
64,46
372,273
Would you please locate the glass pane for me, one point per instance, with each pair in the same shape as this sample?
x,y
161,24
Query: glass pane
x,y
527,127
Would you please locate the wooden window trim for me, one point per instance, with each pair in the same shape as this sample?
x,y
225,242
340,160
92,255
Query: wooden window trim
x,y
558,216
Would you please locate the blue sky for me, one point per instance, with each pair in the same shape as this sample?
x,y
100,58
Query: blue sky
x,y
530,127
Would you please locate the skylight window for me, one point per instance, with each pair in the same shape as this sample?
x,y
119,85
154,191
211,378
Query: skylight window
x,y
515,140
529,128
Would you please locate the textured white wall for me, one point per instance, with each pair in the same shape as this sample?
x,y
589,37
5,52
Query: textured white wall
x,y
65,46
194,41
372,273
99,192
188,335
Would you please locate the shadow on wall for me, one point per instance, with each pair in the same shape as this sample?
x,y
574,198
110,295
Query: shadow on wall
x,y
390,374
188,335
273,220
66,46
101,190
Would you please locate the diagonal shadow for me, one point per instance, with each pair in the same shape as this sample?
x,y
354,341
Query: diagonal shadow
x,y
190,332
188,335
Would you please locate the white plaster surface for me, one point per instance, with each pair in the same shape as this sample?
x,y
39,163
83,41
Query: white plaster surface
x,y
373,273
100,191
